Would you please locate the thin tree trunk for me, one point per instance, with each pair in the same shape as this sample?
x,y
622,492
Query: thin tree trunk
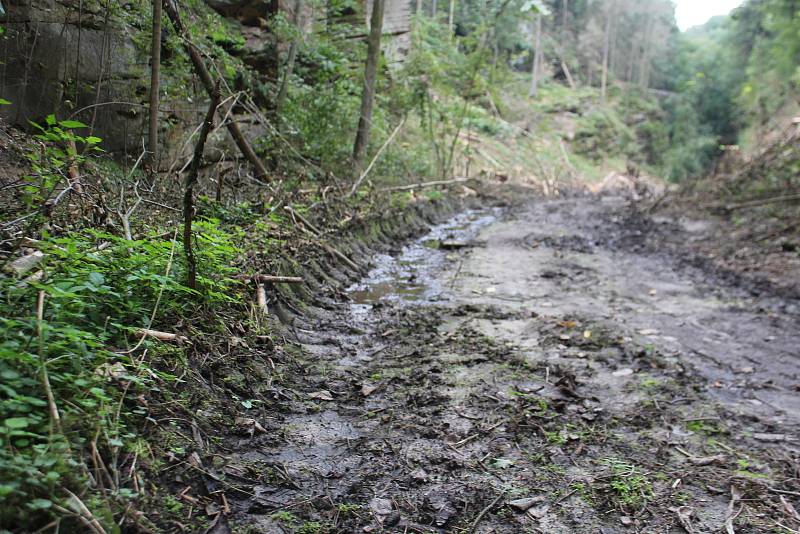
x,y
644,69
537,58
370,76
606,44
568,74
287,73
434,8
202,71
419,7
451,16
188,196
564,16
612,40
155,68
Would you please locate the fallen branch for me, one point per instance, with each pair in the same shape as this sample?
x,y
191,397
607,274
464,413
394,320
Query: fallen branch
x,y
377,155
761,202
425,184
486,511
314,232
208,83
732,514
162,336
269,279
310,226
341,256
85,515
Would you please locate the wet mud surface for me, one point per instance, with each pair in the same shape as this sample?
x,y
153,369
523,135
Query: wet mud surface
x,y
563,366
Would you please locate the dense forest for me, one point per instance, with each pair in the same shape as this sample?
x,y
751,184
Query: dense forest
x,y
196,193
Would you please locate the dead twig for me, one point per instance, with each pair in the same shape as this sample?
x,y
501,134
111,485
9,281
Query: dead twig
x,y
377,155
486,511
732,514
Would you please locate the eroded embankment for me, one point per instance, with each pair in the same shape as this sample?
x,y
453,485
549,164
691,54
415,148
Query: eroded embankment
x,y
521,370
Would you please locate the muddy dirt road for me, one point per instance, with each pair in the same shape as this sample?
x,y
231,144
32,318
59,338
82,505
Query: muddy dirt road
x,y
557,367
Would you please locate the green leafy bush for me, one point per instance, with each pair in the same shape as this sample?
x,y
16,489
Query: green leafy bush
x,y
98,290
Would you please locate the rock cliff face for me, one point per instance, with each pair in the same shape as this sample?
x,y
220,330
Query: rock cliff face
x,y
89,60
60,56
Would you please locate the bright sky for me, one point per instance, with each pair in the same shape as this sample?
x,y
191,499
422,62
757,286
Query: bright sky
x,y
695,12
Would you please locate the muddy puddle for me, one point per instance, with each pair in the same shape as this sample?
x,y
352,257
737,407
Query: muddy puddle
x,y
532,376
414,275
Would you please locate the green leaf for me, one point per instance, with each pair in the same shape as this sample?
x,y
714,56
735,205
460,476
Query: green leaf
x,y
17,422
96,279
50,120
72,124
92,140
4,102
502,463
537,6
40,504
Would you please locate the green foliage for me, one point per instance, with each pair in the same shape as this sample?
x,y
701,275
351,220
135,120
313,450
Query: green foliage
x,y
98,288
735,74
601,133
628,486
61,147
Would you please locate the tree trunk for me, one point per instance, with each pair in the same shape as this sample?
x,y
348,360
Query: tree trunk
x,y
451,16
419,7
537,58
155,68
644,67
613,38
568,74
188,196
606,45
434,8
287,73
564,16
368,93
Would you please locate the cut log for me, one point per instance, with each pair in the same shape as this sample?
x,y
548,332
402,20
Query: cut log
x,y
163,336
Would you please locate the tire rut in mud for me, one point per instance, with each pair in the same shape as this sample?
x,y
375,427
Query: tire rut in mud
x,y
457,417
